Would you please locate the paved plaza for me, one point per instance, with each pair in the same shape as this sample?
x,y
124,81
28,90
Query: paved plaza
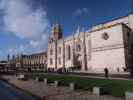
x,y
49,92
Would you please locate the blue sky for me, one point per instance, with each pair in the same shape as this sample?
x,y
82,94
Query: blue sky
x,y
25,24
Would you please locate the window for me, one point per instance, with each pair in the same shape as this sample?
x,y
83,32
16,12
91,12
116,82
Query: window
x,y
132,47
51,51
69,52
105,36
128,35
89,49
59,50
78,47
51,61
59,60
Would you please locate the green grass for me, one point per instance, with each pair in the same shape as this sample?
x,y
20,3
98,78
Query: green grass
x,y
115,87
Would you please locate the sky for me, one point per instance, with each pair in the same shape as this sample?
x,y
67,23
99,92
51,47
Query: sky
x,y
25,25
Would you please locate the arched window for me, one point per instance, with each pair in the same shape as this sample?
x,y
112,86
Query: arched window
x,y
59,50
78,47
51,61
59,60
51,51
69,52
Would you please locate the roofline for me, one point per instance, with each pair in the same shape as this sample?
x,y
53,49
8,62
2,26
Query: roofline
x,y
105,22
45,52
107,27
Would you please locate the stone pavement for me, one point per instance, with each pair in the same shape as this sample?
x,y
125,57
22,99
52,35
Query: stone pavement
x,y
49,92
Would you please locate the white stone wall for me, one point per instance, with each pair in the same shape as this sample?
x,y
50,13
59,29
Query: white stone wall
x,y
115,37
108,53
111,59
88,49
60,54
68,63
130,21
51,46
100,53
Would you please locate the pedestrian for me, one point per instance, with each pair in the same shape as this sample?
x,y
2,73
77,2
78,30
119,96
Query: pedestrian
x,y
106,72
118,69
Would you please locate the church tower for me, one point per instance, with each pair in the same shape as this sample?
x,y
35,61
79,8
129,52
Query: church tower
x,y
56,32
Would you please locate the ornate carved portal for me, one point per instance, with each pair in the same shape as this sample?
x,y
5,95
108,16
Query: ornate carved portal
x,y
77,63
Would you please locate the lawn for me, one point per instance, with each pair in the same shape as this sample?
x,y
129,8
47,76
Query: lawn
x,y
115,87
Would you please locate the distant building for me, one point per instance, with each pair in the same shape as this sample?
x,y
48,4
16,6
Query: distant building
x,y
3,66
33,62
107,45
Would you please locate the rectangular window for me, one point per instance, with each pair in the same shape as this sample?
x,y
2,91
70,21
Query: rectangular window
x,y
51,51
51,61
69,52
89,49
59,50
59,60
132,47
78,48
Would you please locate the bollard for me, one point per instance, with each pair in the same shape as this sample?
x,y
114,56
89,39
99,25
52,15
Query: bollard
x,y
45,81
56,83
98,91
72,86
129,95
37,79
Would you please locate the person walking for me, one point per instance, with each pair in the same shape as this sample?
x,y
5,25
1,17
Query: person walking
x,y
106,72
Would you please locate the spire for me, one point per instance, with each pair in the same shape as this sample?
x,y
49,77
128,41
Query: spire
x,y
84,53
13,57
56,32
73,64
78,29
78,34
8,57
73,41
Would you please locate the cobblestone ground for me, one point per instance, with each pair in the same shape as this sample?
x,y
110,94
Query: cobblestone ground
x,y
49,92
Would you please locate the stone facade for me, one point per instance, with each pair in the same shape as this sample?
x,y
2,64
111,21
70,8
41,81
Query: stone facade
x,y
33,62
108,45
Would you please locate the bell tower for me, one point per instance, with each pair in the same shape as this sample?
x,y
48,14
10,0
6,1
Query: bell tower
x,y
56,32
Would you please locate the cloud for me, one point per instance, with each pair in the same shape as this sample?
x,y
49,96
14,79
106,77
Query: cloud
x,y
32,47
39,43
12,50
80,11
25,22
